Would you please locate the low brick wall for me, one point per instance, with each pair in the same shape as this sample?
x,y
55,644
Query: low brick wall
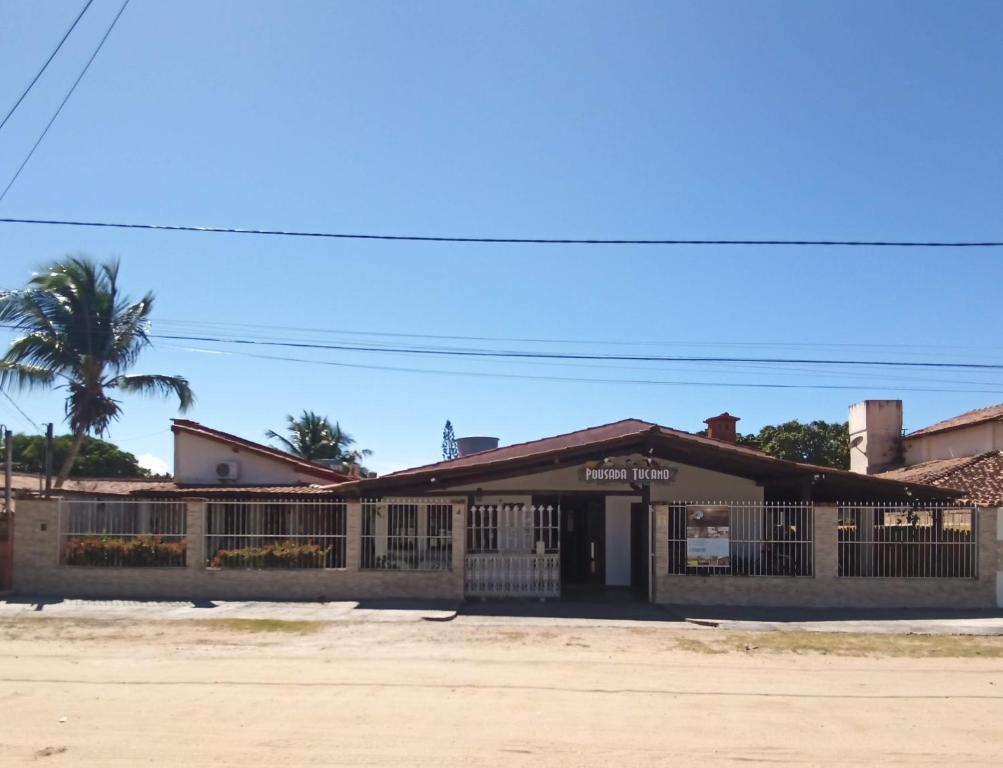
x,y
37,570
826,589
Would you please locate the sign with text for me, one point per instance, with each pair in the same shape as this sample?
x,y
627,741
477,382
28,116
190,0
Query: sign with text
x,y
708,537
628,471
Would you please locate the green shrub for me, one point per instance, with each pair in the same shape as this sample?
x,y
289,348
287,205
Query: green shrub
x,y
135,551
276,554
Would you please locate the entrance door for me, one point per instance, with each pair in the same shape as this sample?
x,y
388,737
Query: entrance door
x,y
583,540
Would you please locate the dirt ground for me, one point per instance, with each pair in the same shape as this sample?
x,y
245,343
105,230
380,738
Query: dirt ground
x,y
272,693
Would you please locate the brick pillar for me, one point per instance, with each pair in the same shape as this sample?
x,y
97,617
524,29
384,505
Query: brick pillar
x,y
195,522
660,547
353,535
459,534
826,543
999,552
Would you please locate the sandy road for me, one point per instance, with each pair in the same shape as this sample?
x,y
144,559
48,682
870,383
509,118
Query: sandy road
x,y
431,694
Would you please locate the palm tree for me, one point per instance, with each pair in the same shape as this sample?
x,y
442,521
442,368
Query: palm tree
x,y
80,331
313,437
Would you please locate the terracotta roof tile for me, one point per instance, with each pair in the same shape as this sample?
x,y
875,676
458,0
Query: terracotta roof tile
x,y
979,477
112,486
978,416
580,438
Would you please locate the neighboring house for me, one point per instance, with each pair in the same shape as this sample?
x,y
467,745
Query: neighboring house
x,y
207,462
204,456
963,453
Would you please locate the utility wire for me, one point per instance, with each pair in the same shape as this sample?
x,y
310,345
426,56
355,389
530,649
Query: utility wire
x,y
512,240
577,380
45,65
195,326
446,352
534,355
62,104
18,407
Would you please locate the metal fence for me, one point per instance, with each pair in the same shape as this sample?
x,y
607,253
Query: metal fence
x,y
275,534
407,535
113,533
517,528
739,538
513,550
907,541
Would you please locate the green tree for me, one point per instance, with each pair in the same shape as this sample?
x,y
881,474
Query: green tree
x,y
817,442
313,437
80,333
449,448
97,458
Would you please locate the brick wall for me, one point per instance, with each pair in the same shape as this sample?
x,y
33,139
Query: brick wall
x,y
826,589
37,570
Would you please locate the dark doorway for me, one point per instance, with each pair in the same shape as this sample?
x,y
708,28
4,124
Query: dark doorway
x,y
640,537
583,539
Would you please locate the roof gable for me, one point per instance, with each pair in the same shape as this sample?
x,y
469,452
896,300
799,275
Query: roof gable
x,y
302,465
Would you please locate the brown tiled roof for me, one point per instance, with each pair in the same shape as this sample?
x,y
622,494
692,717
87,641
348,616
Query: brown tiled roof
x,y
578,439
978,416
307,467
112,486
729,457
211,491
29,485
980,477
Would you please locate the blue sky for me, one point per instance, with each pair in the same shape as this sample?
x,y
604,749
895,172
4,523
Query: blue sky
x,y
664,119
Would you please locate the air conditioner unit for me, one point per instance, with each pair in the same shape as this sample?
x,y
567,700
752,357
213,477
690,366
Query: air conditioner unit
x,y
227,470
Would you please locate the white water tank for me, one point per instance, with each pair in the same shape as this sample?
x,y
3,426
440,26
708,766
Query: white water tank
x,y
469,445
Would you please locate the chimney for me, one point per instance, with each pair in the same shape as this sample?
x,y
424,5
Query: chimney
x,y
875,435
469,445
722,427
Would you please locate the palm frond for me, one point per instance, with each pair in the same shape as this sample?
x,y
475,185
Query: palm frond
x,y
155,385
21,376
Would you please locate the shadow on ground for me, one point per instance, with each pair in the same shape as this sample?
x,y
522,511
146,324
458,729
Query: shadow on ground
x,y
600,606
721,613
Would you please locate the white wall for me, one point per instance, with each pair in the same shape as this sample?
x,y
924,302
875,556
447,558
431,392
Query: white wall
x,y
618,540
196,457
955,443
690,483
877,424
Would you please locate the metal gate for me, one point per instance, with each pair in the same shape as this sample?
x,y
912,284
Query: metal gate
x,y
513,550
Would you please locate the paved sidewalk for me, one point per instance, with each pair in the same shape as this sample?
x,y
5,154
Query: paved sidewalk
x,y
140,610
896,622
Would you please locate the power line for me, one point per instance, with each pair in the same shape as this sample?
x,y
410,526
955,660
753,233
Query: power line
x,y
45,65
18,407
62,104
226,326
447,352
580,380
535,355
512,240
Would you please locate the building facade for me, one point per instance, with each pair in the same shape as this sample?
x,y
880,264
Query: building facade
x,y
633,506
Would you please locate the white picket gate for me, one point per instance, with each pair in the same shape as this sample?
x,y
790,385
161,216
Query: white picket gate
x,y
513,550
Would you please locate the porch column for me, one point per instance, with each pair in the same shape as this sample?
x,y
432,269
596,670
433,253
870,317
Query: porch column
x,y
826,542
459,534
195,528
353,535
660,546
